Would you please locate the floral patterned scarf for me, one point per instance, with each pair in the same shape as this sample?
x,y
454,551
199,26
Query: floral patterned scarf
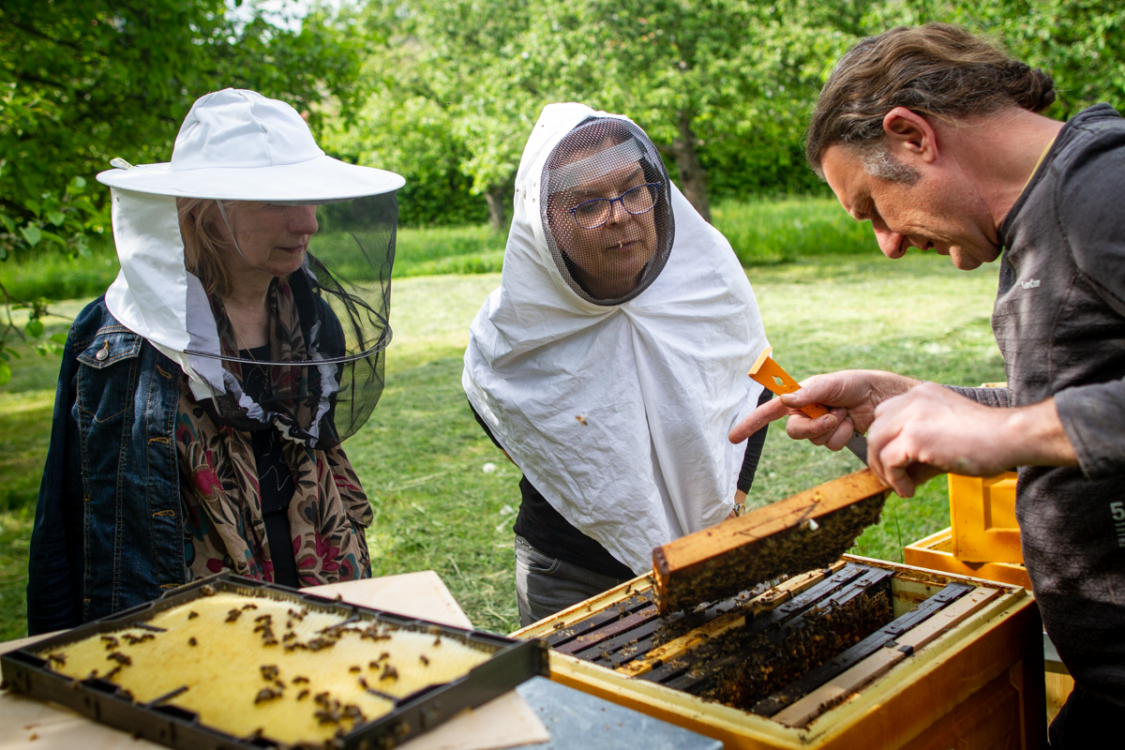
x,y
223,521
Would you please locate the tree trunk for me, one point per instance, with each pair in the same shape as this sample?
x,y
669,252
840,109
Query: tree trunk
x,y
693,178
498,197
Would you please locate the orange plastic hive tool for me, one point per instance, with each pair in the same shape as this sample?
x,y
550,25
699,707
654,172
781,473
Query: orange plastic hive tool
x,y
769,373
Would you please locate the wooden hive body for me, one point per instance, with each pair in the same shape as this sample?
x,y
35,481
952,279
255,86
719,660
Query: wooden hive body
x,y
973,681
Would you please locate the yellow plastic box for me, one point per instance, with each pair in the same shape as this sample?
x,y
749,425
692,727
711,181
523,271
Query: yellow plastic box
x,y
935,552
983,515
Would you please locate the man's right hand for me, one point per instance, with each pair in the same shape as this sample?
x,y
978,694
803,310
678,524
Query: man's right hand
x,y
850,395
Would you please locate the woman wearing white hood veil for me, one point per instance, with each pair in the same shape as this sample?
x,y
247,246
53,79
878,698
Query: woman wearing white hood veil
x,y
611,363
202,401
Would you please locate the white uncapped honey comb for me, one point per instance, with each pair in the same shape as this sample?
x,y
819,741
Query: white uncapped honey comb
x,y
256,665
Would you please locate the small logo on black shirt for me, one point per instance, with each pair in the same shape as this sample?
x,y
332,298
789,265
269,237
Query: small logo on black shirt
x,y
1030,284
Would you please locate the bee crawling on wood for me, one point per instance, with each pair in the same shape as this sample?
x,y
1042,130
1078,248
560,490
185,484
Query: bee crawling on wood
x,y
192,641
353,669
422,658
110,642
269,671
58,658
302,695
251,606
233,615
120,658
207,590
192,615
389,673
300,680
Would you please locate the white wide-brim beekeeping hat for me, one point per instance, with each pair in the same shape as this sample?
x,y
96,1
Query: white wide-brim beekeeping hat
x,y
239,145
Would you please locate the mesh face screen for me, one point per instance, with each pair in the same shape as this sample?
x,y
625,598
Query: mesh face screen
x,y
321,372
606,210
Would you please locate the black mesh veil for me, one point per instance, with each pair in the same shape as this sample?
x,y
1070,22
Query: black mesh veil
x,y
606,210
320,374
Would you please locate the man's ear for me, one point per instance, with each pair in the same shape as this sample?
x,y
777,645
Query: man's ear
x,y
910,136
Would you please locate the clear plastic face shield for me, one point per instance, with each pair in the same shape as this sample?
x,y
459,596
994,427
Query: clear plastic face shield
x,y
291,322
606,210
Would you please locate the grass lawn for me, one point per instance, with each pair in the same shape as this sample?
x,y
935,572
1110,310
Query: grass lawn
x,y
425,462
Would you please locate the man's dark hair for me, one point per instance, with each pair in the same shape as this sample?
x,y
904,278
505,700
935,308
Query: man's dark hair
x,y
940,71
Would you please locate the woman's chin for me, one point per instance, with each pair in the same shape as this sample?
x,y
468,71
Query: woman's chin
x,y
283,268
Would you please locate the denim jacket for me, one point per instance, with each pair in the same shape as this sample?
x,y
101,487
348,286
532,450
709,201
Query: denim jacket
x,y
108,533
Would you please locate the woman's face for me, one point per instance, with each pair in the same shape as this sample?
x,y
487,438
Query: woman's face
x,y
273,239
608,260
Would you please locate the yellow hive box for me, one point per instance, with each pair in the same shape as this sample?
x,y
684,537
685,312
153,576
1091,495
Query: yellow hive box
x,y
982,511
935,552
978,685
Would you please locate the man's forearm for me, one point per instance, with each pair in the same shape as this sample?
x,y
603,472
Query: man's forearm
x,y
1036,436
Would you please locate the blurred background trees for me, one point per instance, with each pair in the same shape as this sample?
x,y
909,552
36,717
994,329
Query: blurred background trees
x,y
445,91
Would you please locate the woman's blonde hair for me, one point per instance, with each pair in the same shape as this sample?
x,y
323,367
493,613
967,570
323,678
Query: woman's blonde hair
x,y
203,249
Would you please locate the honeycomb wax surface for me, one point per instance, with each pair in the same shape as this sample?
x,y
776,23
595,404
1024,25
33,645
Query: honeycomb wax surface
x,y
256,665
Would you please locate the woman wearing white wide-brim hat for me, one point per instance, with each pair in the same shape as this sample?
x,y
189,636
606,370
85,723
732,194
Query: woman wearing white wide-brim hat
x,y
202,401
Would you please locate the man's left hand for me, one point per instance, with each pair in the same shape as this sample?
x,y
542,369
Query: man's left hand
x,y
930,430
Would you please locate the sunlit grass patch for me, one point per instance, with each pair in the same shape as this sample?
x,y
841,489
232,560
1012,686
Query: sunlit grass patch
x,y
53,275
15,543
765,231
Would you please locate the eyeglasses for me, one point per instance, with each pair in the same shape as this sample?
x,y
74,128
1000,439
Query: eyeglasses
x,y
637,200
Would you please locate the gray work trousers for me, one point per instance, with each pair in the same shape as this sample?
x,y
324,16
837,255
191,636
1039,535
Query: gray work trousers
x,y
546,585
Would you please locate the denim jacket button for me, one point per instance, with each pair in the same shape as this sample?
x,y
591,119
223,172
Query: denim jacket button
x,y
102,353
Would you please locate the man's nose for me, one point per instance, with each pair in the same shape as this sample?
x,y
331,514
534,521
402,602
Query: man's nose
x,y
302,220
891,243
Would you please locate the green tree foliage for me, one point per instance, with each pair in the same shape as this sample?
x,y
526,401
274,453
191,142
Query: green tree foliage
x,y
724,87
460,90
1079,42
724,81
723,84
